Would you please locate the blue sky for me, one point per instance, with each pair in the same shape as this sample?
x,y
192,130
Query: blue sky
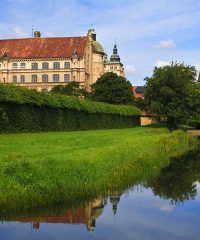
x,y
149,32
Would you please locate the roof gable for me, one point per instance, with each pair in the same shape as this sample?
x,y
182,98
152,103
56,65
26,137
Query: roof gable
x,y
36,48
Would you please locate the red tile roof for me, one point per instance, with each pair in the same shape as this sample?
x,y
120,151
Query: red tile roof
x,y
138,94
36,48
77,216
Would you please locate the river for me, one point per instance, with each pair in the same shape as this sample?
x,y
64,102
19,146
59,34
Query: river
x,y
166,207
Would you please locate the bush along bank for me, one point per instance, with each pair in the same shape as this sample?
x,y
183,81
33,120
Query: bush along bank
x,y
23,110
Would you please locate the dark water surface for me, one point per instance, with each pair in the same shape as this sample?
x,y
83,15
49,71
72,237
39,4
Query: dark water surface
x,y
166,207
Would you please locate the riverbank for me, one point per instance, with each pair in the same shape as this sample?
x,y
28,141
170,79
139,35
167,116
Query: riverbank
x,y
41,169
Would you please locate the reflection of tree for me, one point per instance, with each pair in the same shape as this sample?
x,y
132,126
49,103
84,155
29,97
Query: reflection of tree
x,y
177,181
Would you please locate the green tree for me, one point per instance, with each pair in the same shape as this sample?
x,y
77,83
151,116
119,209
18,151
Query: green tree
x,y
113,89
170,93
70,89
140,103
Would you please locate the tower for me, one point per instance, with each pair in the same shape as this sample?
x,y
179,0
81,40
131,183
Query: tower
x,y
115,57
97,56
114,65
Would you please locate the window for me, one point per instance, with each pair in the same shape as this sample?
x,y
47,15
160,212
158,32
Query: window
x,y
67,64
34,78
45,65
22,79
116,67
44,78
56,65
111,67
66,78
22,65
56,78
14,79
34,65
14,65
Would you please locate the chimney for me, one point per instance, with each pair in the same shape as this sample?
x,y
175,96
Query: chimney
x,y
37,34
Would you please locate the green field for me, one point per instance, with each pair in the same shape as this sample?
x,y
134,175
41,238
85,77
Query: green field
x,y
41,169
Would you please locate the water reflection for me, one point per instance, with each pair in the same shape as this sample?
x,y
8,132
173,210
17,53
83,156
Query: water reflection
x,y
86,214
178,181
150,208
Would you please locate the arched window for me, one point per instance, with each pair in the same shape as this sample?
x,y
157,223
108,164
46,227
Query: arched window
x,y
56,78
34,78
56,65
14,79
45,65
66,77
34,65
44,78
22,79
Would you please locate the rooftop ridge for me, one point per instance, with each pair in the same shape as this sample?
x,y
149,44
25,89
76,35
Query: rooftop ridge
x,y
15,39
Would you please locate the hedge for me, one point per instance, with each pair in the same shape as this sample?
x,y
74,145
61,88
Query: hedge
x,y
21,95
23,110
194,123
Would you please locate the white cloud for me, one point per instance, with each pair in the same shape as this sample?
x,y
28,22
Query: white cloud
x,y
136,33
165,44
165,206
130,70
161,63
18,32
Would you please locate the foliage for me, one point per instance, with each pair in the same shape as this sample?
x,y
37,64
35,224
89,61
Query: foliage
x,y
41,169
70,89
20,95
31,118
140,103
172,93
112,89
185,127
194,123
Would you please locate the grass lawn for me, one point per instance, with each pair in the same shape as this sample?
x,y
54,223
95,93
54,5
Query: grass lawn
x,y
45,168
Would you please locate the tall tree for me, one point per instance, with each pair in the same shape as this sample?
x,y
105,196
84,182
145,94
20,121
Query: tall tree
x,y
170,93
112,89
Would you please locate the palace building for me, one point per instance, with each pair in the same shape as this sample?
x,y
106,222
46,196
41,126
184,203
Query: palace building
x,y
42,63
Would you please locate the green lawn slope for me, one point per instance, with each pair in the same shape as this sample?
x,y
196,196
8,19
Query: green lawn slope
x,y
41,169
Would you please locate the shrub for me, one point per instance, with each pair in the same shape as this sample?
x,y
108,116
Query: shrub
x,y
23,110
